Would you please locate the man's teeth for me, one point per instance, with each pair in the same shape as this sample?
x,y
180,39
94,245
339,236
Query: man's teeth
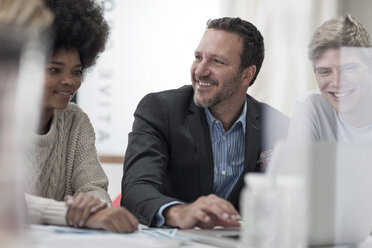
x,y
205,84
341,94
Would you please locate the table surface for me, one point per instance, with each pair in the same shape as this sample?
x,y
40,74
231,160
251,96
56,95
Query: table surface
x,y
42,236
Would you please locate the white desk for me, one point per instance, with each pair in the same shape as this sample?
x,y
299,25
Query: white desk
x,y
38,236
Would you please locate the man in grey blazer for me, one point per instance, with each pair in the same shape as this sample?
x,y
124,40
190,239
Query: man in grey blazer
x,y
190,147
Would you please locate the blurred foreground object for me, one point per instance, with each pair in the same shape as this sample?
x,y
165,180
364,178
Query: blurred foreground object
x,y
337,183
273,211
23,28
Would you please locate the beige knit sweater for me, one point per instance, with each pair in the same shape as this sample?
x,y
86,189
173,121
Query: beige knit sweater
x,y
63,162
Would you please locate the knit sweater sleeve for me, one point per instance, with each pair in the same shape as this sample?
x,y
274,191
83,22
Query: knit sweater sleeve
x,y
45,211
87,173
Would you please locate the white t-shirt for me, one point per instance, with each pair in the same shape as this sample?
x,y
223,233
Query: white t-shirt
x,y
314,119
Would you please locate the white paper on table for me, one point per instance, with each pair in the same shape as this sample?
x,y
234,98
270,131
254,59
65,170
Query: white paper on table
x,y
61,237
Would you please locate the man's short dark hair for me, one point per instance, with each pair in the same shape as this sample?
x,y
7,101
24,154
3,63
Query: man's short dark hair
x,y
253,43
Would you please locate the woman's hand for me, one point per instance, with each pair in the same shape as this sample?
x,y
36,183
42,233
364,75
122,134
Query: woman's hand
x,y
80,207
113,220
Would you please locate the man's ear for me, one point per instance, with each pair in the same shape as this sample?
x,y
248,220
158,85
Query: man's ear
x,y
248,74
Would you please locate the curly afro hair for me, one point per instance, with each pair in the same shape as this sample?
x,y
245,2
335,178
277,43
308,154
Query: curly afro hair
x,y
79,24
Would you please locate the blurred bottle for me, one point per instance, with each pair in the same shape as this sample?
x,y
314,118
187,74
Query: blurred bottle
x,y
258,201
273,212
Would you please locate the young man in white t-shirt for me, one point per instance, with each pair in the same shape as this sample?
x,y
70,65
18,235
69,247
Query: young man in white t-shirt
x,y
340,50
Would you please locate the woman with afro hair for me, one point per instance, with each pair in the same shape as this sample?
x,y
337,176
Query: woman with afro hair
x,y
66,184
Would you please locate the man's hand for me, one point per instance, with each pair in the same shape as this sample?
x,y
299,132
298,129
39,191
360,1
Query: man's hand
x,y
206,212
80,207
113,220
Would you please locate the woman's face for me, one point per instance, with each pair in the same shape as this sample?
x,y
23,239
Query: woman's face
x,y
63,78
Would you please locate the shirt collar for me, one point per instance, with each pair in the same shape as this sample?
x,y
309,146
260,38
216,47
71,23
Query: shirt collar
x,y
242,118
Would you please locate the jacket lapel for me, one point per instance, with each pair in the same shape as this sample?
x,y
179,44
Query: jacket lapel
x,y
252,136
200,131
252,147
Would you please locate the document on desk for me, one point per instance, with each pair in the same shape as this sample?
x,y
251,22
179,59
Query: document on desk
x,y
58,237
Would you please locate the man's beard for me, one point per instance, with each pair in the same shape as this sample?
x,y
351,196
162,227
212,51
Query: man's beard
x,y
227,90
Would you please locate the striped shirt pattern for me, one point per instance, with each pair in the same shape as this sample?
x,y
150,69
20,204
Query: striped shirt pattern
x,y
228,152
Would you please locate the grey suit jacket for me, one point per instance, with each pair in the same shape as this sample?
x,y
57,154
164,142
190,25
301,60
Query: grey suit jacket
x,y
169,155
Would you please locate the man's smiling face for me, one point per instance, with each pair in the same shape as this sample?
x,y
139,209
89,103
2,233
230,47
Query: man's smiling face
x,y
344,79
215,72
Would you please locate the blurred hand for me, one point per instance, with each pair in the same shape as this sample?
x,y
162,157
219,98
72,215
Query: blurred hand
x,y
80,207
113,220
206,212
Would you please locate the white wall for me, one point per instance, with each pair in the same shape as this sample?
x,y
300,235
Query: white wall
x,y
360,9
114,173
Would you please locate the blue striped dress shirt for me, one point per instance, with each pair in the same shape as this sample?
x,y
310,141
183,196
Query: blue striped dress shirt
x,y
228,152
228,156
